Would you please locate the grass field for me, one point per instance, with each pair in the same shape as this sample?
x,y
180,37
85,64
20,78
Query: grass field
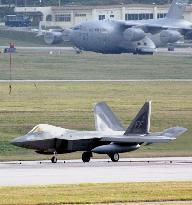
x,y
98,193
19,38
70,105
86,66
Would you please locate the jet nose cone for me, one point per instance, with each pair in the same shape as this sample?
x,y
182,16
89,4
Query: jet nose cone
x,y
19,141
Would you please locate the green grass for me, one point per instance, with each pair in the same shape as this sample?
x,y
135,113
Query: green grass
x,y
68,65
69,105
22,38
97,193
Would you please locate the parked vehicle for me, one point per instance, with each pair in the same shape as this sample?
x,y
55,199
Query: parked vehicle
x,y
17,21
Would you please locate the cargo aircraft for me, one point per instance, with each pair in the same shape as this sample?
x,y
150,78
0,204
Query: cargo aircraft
x,y
110,137
137,36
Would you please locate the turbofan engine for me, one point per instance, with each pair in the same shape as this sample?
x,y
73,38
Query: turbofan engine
x,y
133,34
170,36
52,37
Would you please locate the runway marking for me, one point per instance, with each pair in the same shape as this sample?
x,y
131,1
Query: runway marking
x,y
143,203
98,80
126,170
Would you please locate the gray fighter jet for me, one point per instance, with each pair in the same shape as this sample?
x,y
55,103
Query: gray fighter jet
x,y
109,138
138,37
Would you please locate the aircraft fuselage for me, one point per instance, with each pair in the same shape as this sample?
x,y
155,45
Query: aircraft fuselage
x,y
107,37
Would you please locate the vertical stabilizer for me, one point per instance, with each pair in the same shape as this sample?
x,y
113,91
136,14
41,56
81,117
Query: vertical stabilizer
x,y
141,123
177,9
105,119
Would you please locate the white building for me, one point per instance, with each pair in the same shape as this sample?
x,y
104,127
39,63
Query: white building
x,y
70,16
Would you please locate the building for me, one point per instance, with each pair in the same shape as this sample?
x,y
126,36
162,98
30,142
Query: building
x,y
70,16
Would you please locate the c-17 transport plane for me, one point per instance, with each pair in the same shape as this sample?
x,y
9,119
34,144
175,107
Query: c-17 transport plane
x,y
136,36
110,137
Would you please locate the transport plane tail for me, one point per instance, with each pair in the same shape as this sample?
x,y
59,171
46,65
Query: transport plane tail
x,y
177,9
141,123
105,119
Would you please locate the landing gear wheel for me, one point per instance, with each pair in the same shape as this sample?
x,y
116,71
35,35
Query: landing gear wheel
x,y
54,159
86,156
114,157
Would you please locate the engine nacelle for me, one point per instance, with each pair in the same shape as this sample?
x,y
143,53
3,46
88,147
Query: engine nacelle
x,y
170,36
66,34
115,148
133,34
53,37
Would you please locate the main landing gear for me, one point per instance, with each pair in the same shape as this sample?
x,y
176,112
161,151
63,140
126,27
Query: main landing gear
x,y
54,158
86,156
114,157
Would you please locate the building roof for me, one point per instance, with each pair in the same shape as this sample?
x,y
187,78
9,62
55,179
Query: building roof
x,y
82,7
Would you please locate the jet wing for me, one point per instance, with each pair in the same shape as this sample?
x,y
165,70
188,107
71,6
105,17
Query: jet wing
x,y
138,139
154,25
161,137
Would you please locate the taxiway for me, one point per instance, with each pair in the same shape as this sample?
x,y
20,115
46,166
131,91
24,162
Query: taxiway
x,y
97,171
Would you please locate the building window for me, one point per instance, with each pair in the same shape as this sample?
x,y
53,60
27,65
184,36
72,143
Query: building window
x,y
101,17
80,15
63,17
138,16
49,18
112,16
161,15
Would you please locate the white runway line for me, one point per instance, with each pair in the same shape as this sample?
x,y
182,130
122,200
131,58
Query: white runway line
x,y
99,80
97,171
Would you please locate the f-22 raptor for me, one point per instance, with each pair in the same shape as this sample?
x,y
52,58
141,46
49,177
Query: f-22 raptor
x,y
110,137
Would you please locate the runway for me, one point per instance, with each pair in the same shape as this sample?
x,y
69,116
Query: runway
x,y
178,51
97,171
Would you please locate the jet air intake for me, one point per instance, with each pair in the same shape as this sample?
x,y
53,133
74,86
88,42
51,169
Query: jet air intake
x,y
133,34
52,37
170,36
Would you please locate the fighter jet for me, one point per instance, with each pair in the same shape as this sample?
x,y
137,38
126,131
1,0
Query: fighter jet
x,y
138,36
109,138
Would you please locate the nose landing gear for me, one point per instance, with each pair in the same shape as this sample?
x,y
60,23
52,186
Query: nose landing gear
x,y
54,158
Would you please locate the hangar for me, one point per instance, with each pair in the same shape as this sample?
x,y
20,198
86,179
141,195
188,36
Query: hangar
x,y
69,16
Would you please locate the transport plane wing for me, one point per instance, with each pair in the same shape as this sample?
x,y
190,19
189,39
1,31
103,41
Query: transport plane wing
x,y
109,138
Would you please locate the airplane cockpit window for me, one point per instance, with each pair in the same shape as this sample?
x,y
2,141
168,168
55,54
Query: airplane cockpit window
x,y
45,128
76,28
36,129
